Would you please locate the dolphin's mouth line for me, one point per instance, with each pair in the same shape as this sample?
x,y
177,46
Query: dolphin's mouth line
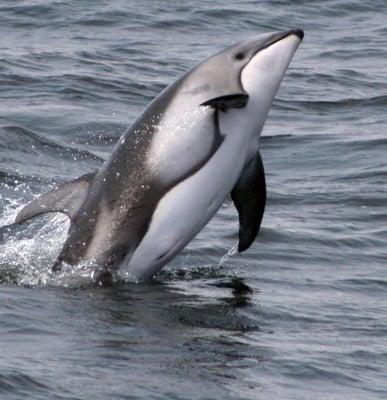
x,y
276,39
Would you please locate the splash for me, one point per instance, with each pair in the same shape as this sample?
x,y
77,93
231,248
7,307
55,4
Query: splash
x,y
230,253
28,251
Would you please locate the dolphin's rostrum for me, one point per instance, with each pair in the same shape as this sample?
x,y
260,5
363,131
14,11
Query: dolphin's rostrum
x,y
192,146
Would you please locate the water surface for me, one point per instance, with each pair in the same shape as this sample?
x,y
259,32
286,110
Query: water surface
x,y
300,315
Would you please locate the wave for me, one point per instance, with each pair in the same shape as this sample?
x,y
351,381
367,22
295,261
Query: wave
x,y
334,105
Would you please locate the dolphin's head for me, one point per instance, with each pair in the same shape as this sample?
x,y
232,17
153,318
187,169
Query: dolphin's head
x,y
245,75
267,59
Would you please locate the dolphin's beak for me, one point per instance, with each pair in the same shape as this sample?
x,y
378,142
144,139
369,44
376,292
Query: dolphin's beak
x,y
276,37
297,32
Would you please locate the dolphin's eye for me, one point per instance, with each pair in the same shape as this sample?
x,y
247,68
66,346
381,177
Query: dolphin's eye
x,y
239,56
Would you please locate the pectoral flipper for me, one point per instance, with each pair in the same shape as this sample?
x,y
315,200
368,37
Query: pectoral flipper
x,y
249,197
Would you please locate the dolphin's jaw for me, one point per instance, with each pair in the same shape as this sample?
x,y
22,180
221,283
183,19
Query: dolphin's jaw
x,y
265,70
261,78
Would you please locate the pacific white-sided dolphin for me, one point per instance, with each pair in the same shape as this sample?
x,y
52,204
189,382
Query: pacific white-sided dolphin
x,y
193,145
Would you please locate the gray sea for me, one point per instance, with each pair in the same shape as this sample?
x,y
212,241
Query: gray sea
x,y
303,313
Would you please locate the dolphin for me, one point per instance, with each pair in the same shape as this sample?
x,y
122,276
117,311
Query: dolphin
x,y
193,145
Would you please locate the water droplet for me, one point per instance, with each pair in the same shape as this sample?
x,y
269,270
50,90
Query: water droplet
x,y
230,253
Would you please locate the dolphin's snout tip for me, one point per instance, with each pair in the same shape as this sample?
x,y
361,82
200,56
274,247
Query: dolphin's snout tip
x,y
298,32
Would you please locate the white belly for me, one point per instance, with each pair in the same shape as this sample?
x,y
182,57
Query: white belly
x,y
187,207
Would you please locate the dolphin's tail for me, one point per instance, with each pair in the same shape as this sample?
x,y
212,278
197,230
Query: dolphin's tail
x,y
67,199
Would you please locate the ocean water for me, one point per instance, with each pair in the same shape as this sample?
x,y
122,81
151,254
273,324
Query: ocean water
x,y
303,313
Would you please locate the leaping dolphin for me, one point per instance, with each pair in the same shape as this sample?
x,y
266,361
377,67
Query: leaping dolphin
x,y
193,145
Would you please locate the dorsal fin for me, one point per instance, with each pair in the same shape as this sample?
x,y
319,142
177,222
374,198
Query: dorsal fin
x,y
66,198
